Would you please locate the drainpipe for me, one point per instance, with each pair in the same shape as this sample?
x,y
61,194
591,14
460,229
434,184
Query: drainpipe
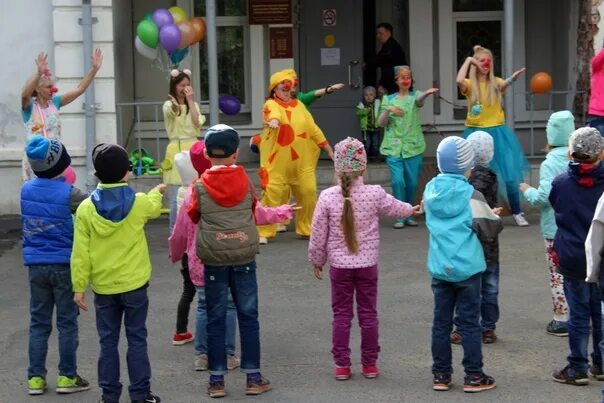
x,y
508,32
86,21
212,60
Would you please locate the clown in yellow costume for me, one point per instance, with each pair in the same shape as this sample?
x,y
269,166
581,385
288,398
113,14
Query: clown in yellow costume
x,y
290,145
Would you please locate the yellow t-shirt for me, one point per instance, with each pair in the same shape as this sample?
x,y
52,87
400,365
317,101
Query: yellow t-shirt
x,y
485,115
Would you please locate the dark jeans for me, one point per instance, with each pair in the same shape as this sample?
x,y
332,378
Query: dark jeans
x,y
598,123
489,307
241,280
371,141
132,306
188,293
513,193
584,304
464,298
50,286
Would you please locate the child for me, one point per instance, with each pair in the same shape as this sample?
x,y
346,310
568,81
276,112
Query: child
x,y
484,180
47,205
110,253
404,142
368,112
457,217
574,197
191,164
224,204
345,232
484,93
559,127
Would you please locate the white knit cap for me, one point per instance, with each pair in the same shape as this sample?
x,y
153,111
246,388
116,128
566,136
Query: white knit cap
x,y
483,146
187,173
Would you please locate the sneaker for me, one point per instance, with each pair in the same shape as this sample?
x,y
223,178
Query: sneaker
x,y
257,385
489,336
66,384
370,371
520,220
342,373
596,371
36,385
398,224
411,222
233,362
262,240
216,389
441,381
478,382
570,376
455,337
557,328
281,228
151,398
103,400
182,338
201,362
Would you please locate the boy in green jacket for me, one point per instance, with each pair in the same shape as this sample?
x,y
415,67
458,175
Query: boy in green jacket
x,y
110,253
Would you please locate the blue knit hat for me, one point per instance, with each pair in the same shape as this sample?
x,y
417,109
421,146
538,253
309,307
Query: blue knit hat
x,y
454,155
48,158
221,141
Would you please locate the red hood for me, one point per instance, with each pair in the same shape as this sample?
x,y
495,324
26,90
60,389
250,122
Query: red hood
x,y
228,186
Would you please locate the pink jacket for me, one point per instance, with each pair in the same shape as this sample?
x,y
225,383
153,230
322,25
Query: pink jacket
x,y
596,100
184,234
369,202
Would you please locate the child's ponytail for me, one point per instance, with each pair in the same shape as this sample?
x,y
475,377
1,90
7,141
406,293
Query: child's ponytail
x,y
347,215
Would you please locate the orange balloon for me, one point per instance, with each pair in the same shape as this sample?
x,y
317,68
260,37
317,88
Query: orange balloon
x,y
541,83
199,28
187,34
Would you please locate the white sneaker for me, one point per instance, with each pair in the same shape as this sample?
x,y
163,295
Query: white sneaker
x,y
201,362
398,224
262,240
520,220
281,228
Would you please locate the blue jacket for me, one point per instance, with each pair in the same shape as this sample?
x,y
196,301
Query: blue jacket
x,y
46,214
574,197
456,216
554,164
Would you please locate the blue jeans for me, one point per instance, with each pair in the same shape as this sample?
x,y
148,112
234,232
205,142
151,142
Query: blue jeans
x,y
464,298
489,307
132,306
513,193
242,282
201,333
404,176
371,141
584,304
598,123
49,286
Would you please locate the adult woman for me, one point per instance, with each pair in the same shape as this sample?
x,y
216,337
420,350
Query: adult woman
x,y
40,102
183,122
290,146
484,93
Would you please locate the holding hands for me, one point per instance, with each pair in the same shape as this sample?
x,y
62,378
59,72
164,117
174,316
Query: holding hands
x,y
523,187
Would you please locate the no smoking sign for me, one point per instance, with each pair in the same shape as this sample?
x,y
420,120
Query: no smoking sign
x,y
329,17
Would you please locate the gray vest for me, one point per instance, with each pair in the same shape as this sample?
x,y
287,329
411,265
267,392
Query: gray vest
x,y
226,236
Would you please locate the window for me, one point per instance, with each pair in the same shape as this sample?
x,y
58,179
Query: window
x,y
477,5
233,53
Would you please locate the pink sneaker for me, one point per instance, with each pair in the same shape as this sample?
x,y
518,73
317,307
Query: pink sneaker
x,y
182,338
342,373
370,371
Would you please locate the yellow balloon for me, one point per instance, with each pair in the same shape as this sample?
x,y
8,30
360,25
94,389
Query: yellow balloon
x,y
178,14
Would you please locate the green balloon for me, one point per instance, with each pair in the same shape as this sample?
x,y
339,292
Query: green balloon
x,y
148,33
149,16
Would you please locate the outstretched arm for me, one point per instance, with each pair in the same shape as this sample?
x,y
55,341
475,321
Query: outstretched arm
x,y
32,82
510,80
70,96
419,101
328,90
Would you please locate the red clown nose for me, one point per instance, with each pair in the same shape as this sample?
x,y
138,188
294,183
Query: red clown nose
x,y
287,86
486,64
54,90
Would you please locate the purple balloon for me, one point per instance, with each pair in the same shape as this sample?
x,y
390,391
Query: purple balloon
x,y
162,17
229,104
169,37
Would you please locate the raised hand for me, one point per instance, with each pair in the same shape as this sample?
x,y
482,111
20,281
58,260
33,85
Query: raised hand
x,y
188,92
97,59
431,91
517,73
42,63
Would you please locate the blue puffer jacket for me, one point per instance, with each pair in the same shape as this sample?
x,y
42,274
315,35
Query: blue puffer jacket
x,y
574,197
47,222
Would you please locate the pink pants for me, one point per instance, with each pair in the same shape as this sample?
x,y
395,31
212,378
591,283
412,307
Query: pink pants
x,y
344,284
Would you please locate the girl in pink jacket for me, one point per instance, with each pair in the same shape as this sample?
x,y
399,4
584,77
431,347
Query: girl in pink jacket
x,y
345,232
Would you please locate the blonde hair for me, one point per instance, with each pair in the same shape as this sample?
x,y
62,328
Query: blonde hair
x,y
347,220
493,95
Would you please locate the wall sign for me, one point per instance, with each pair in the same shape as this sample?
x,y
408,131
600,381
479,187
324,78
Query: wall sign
x,y
329,17
269,12
330,56
280,40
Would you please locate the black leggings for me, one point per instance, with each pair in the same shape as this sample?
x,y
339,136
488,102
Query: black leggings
x,y
188,293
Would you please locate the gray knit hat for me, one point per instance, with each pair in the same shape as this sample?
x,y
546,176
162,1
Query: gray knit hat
x,y
585,143
48,158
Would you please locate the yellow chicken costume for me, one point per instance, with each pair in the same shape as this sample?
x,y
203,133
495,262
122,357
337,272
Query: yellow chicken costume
x,y
288,157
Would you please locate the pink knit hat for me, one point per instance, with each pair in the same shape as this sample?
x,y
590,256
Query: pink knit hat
x,y
350,156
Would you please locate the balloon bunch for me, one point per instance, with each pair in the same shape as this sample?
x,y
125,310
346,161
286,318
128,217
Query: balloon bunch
x,y
170,28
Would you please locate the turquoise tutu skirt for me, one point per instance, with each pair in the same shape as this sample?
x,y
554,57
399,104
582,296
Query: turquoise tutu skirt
x,y
509,162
